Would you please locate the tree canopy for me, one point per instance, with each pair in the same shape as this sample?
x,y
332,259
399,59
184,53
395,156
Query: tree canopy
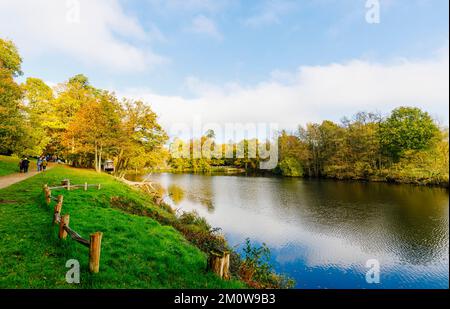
x,y
74,121
407,128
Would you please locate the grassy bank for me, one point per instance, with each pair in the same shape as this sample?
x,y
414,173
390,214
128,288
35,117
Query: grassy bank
x,y
137,251
8,165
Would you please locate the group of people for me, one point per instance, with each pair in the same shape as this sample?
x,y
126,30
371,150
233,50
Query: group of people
x,y
41,164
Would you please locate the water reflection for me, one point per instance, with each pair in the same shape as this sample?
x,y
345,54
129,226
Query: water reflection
x,y
176,193
323,232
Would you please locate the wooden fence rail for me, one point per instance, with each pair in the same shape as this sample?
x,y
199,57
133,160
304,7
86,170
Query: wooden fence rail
x,y
218,261
94,243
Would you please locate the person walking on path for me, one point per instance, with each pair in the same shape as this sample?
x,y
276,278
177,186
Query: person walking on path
x,y
7,180
39,162
44,164
25,165
21,165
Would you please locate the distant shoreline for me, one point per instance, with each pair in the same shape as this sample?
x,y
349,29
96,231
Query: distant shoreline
x,y
270,173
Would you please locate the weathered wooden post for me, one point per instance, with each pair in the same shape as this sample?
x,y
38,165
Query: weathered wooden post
x,y
85,186
66,183
57,209
63,222
48,195
44,189
94,251
219,263
60,198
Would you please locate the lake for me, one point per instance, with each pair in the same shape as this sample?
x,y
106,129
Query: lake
x,y
322,232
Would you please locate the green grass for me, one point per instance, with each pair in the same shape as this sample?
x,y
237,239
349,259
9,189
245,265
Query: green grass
x,y
137,252
8,165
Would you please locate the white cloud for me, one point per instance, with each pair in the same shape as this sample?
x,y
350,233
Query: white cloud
x,y
95,38
270,13
191,5
312,93
204,25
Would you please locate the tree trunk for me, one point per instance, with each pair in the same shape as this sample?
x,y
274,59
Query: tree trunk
x,y
100,159
96,158
219,263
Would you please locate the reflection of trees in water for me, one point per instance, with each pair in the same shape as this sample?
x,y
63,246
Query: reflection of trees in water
x,y
197,189
176,193
409,221
208,202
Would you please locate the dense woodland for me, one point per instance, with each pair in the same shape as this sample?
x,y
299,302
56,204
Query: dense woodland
x,y
85,126
406,146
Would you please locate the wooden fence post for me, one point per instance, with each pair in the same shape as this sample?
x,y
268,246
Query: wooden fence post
x,y
45,189
57,209
64,222
66,182
48,195
94,251
85,186
219,263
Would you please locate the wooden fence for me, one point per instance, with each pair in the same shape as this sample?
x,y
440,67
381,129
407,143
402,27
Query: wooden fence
x,y
218,260
94,242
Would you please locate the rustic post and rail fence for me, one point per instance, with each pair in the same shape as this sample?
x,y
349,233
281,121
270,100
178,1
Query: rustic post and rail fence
x,y
218,260
95,239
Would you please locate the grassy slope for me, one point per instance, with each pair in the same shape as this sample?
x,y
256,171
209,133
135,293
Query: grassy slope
x,y
8,165
137,252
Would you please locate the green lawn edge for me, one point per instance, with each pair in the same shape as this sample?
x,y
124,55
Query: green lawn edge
x,y
137,252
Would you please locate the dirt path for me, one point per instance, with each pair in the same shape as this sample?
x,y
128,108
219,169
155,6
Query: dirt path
x,y
6,181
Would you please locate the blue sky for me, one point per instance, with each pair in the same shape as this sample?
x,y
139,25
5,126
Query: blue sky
x,y
204,54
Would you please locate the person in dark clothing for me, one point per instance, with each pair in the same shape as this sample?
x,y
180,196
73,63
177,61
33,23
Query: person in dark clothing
x,y
25,165
21,165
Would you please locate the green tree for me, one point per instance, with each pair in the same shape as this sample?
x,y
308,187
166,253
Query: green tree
x,y
10,59
289,166
141,138
39,107
12,129
407,128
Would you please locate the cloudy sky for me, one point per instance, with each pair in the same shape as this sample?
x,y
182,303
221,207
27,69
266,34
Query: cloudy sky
x,y
259,61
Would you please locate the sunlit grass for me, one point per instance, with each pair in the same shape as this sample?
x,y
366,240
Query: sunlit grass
x,y
137,252
8,165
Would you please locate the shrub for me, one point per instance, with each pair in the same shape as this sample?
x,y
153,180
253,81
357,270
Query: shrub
x,y
256,270
290,167
194,218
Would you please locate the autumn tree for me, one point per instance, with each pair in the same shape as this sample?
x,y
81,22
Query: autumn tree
x,y
12,130
94,129
141,139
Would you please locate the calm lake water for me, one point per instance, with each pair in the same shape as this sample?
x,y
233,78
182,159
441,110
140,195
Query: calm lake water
x,y
322,233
